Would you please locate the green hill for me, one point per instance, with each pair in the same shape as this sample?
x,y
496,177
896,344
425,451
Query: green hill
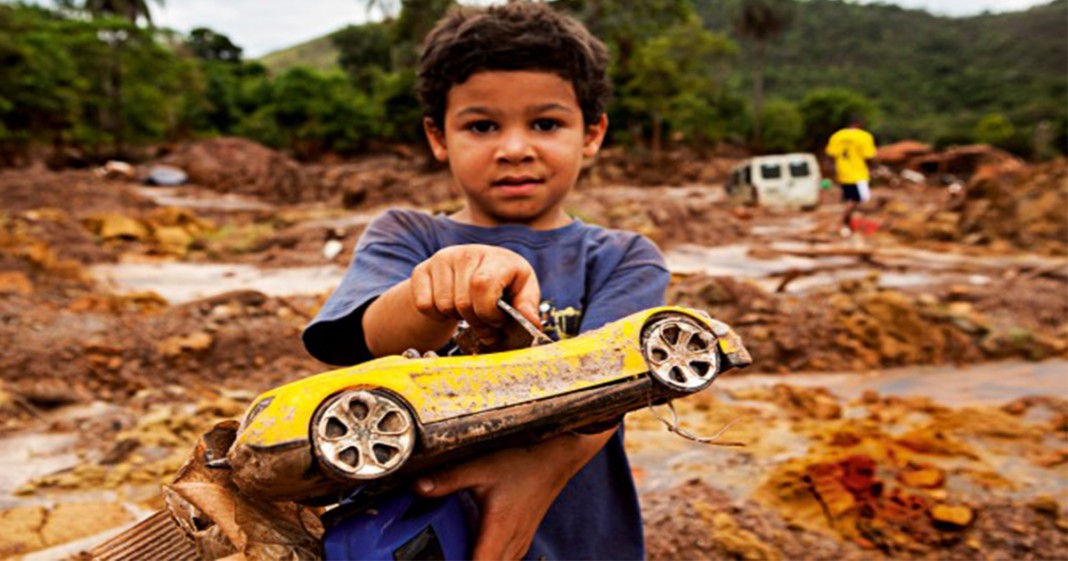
x,y
928,74
931,76
319,53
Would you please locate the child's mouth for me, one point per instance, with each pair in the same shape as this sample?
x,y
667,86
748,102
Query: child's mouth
x,y
517,185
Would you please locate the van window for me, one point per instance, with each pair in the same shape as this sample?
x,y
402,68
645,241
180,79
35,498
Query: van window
x,y
799,169
770,171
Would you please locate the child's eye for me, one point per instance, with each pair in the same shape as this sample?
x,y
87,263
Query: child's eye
x,y
482,126
546,125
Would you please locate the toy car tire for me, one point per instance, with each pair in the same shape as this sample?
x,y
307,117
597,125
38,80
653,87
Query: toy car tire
x,y
363,434
681,352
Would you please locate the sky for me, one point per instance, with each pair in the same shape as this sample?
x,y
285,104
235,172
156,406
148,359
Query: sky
x,y
262,26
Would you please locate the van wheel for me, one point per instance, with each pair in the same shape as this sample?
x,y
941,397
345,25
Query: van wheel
x,y
363,434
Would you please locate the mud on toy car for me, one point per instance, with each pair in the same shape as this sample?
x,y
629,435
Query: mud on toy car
x,y
396,416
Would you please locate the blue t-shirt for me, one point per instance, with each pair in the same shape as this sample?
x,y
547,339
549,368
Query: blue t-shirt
x,y
589,276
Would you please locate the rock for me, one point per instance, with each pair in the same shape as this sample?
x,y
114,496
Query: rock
x,y
923,476
951,517
15,282
172,240
115,169
112,225
181,344
167,176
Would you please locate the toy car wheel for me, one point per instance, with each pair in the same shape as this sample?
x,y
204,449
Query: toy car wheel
x,y
363,434
681,352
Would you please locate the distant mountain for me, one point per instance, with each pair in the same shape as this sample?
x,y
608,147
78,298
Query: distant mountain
x,y
930,75
318,53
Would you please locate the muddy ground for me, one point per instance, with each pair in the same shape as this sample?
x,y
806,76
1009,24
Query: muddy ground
x,y
133,317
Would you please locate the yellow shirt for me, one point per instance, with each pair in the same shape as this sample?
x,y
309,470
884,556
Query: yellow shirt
x,y
850,148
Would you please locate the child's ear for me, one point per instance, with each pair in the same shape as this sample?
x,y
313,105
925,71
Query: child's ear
x,y
436,138
594,136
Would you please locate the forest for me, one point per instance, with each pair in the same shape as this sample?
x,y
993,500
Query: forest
x,y
84,81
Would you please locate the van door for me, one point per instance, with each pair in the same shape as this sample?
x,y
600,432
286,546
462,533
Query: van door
x,y
771,183
804,185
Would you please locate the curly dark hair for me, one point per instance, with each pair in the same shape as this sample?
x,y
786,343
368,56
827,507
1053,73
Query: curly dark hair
x,y
514,36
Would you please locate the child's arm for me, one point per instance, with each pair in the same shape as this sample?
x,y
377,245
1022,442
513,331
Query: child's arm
x,y
515,488
458,282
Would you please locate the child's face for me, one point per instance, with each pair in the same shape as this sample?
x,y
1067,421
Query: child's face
x,y
515,143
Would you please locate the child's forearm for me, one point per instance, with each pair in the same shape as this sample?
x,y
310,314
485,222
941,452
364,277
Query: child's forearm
x,y
392,324
571,452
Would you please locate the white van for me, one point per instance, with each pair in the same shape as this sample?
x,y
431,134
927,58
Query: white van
x,y
780,180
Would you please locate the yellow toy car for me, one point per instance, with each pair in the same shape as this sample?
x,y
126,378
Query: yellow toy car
x,y
393,416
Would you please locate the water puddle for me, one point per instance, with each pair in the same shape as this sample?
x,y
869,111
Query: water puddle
x,y
201,199
185,282
821,267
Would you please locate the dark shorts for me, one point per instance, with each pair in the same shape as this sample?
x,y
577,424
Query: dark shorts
x,y
858,192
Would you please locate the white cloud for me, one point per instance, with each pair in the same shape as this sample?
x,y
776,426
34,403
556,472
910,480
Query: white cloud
x,y
967,7
261,26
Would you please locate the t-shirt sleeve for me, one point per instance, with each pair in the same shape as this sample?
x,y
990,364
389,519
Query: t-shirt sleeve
x,y
388,251
637,283
832,146
868,150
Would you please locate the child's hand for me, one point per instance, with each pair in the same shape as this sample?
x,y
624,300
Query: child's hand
x,y
465,282
515,488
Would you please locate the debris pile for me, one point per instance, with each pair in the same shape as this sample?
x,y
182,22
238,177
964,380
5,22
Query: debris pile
x,y
1005,207
111,348
237,165
381,181
163,231
616,166
859,326
907,477
668,216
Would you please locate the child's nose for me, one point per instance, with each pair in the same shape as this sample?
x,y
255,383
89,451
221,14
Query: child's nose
x,y
515,147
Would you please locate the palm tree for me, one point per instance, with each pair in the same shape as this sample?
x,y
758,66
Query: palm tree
x,y
129,9
760,21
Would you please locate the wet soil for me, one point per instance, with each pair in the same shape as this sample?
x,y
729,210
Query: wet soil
x,y
132,318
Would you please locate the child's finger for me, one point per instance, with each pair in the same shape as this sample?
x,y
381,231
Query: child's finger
x,y
422,286
487,285
444,292
448,481
527,293
463,293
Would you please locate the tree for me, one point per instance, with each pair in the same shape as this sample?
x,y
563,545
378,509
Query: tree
x,y
673,73
363,51
783,126
761,21
132,10
994,129
824,111
210,45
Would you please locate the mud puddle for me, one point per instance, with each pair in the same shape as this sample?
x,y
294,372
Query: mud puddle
x,y
185,282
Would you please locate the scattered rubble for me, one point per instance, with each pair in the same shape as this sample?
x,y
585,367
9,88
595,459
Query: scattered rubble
x,y
877,477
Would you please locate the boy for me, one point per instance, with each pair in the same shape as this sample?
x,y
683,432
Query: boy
x,y
851,149
514,99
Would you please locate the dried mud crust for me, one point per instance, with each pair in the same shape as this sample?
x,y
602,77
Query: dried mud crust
x,y
698,521
1003,208
858,326
111,347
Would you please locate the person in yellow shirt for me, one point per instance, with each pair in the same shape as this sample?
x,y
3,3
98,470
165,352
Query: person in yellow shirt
x,y
851,149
